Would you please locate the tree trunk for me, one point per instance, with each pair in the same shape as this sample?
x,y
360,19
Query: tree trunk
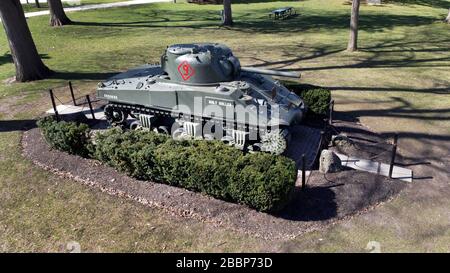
x,y
57,15
353,39
448,17
37,4
29,65
227,19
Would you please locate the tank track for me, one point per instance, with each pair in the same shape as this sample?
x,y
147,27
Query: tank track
x,y
157,112
236,128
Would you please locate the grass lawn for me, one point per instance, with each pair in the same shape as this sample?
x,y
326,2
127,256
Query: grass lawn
x,y
398,81
41,212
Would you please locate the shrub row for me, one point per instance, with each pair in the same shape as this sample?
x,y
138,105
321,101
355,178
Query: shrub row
x,y
69,137
261,181
316,98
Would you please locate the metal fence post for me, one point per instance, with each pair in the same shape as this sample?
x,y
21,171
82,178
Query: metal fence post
x,y
303,172
322,139
325,124
71,93
331,110
88,99
394,152
52,97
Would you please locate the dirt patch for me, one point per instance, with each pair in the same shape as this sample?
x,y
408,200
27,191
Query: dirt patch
x,y
327,199
10,80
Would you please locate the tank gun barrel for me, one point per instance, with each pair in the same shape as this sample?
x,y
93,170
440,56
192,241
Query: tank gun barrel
x,y
271,72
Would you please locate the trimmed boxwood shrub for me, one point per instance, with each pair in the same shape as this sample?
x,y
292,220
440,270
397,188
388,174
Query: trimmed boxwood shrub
x,y
198,165
65,136
316,98
130,151
261,181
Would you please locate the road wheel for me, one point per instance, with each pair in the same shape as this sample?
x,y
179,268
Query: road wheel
x,y
275,142
115,116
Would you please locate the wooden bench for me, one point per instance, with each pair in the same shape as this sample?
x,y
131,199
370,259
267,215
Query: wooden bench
x,y
282,13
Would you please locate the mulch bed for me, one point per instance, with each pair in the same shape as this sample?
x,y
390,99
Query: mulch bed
x,y
327,199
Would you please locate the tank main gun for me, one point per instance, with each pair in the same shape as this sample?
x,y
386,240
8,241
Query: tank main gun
x,y
271,72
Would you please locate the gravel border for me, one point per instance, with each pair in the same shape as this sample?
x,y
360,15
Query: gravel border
x,y
308,211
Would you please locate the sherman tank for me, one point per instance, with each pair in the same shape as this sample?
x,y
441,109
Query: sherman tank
x,y
202,91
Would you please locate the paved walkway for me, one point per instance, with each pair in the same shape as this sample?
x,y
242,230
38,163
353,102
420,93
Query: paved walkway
x,y
97,6
365,165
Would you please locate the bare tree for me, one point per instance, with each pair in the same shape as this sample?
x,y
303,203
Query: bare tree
x,y
37,4
57,15
29,65
227,18
353,39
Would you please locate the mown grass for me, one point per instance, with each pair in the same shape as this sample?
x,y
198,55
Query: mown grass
x,y
398,81
398,43
41,212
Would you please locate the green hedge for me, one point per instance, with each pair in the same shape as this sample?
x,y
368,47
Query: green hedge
x,y
316,98
128,151
261,181
65,136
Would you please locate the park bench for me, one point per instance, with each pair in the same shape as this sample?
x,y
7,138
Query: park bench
x,y
282,13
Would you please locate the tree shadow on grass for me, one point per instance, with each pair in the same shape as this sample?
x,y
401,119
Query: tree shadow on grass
x,y
401,45
259,21
164,19
305,22
149,24
404,110
17,125
437,90
386,63
443,4
317,52
64,75
386,54
6,58
434,147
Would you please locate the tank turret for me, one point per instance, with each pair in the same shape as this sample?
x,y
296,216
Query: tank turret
x,y
201,91
207,64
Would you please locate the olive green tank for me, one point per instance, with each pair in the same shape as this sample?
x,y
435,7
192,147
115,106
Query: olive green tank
x,y
201,91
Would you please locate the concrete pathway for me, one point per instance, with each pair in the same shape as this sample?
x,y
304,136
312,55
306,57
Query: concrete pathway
x,y
97,6
64,109
376,167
